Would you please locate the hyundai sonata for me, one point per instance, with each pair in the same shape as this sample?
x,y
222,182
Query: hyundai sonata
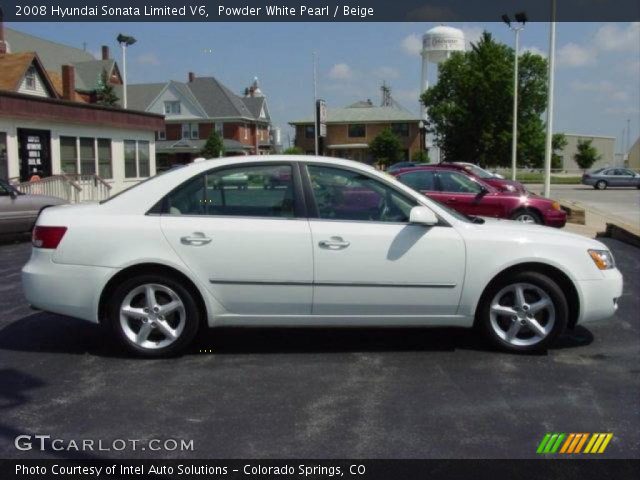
x,y
333,242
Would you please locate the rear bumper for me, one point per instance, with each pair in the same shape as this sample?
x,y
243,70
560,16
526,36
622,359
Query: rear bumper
x,y
72,290
555,218
599,298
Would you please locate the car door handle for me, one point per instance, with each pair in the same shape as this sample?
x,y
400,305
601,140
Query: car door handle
x,y
334,243
196,239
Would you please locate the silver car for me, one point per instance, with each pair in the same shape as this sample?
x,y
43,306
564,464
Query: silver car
x,y
611,177
18,211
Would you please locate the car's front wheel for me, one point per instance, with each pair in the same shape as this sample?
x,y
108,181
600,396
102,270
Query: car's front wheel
x,y
601,185
523,312
527,216
153,315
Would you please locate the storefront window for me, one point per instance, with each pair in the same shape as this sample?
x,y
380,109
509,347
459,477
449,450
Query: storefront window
x,y
143,158
130,168
4,157
105,169
357,130
87,156
68,154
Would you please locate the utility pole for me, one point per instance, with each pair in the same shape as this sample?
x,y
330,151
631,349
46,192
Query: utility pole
x,y
315,102
552,61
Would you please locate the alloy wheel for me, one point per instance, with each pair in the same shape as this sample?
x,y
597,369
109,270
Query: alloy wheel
x,y
526,218
152,316
522,314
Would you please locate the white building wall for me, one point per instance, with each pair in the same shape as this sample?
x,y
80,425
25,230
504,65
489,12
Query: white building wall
x,y
117,136
188,111
39,91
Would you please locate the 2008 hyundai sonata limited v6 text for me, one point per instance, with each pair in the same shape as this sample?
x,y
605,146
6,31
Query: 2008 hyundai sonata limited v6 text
x,y
332,242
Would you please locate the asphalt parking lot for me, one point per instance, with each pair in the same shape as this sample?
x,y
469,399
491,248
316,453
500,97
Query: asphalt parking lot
x,y
320,393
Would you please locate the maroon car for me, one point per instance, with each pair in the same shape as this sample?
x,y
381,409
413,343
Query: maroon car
x,y
487,177
474,197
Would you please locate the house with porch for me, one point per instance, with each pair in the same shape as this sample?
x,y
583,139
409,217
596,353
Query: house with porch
x,y
195,108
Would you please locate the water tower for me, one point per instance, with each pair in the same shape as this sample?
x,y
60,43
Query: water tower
x,y
437,45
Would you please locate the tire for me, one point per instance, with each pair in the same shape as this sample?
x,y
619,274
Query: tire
x,y
165,334
601,185
510,327
527,216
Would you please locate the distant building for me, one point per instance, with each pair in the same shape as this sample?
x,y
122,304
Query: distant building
x,y
633,157
351,129
49,127
604,145
194,109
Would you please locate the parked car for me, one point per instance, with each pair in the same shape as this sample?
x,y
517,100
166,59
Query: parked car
x,y
18,211
603,178
471,196
155,266
493,179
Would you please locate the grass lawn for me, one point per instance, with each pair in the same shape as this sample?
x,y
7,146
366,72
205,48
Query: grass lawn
x,y
536,177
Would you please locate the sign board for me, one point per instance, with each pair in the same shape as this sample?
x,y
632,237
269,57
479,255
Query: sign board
x,y
321,117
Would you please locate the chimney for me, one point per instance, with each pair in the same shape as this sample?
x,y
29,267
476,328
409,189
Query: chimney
x,y
3,44
68,82
105,52
192,77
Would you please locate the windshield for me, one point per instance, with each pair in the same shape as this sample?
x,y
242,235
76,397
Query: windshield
x,y
479,172
8,188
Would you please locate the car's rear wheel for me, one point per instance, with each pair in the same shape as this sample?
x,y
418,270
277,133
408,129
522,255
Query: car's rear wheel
x,y
527,216
153,316
523,312
601,185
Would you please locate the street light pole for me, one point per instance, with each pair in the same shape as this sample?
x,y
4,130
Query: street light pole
x,y
125,41
548,141
521,18
315,103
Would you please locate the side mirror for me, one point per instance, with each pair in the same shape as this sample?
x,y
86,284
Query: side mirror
x,y
423,216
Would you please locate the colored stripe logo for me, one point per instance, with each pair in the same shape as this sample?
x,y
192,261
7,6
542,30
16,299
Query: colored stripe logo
x,y
573,443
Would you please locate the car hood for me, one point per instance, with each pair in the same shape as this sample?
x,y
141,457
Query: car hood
x,y
534,233
503,182
44,200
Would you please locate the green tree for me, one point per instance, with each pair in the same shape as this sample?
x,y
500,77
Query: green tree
x,y
586,155
386,147
420,156
214,147
293,151
558,142
105,95
471,106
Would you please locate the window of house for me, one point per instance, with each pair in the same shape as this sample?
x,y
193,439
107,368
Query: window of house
x,y
186,130
105,164
309,131
130,168
357,130
227,192
400,129
87,156
172,107
69,154
348,195
162,135
143,159
195,133
219,128
30,78
4,157
246,132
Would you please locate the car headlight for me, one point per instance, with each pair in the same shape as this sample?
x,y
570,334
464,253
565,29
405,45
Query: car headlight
x,y
603,259
556,206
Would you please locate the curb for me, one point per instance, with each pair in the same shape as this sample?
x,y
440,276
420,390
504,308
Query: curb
x,y
618,232
574,214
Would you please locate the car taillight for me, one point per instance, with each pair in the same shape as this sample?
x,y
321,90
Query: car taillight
x,y
47,237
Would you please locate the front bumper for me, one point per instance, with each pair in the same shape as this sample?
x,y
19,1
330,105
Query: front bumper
x,y
599,298
555,218
72,290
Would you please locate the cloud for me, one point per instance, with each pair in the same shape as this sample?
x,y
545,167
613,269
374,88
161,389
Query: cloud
x,y
148,59
386,73
603,89
472,35
412,44
535,51
613,38
341,71
574,55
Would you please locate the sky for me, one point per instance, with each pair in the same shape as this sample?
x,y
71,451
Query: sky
x,y
597,75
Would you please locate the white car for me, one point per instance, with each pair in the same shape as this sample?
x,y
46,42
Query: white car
x,y
341,245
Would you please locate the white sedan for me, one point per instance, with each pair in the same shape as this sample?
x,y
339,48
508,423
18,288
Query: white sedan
x,y
337,243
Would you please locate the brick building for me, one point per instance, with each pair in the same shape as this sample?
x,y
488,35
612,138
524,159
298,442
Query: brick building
x,y
351,129
195,108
